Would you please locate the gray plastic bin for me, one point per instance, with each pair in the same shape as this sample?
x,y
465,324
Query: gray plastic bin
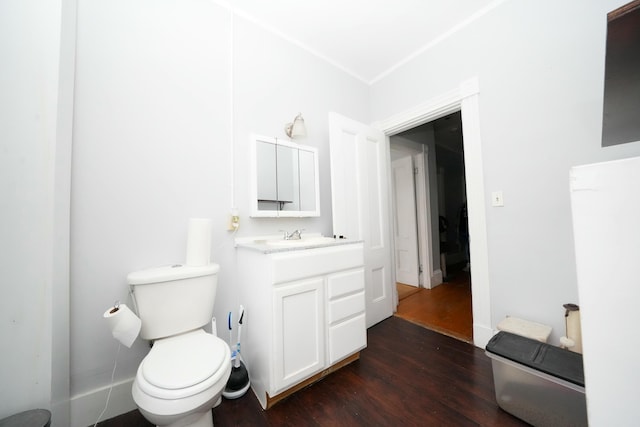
x,y
32,418
537,382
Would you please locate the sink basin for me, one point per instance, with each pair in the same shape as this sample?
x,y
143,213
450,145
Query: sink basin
x,y
311,241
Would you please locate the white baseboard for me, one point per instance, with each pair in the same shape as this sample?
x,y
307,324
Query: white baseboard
x,y
436,279
481,335
60,413
86,408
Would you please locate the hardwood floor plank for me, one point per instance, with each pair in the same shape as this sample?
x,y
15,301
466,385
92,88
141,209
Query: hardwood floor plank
x,y
406,290
407,375
447,308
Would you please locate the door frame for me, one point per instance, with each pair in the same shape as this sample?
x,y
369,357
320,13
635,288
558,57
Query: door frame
x,y
463,98
425,239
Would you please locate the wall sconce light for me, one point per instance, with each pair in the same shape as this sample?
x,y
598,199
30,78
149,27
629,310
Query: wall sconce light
x,y
297,128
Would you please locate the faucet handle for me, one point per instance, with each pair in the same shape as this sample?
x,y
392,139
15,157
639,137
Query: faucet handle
x,y
294,235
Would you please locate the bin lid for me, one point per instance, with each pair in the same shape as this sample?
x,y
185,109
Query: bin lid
x,y
555,361
31,418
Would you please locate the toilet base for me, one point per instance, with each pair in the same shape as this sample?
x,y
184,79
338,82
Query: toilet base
x,y
197,419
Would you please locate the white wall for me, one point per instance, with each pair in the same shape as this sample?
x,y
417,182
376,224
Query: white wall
x,y
30,52
273,81
541,76
155,143
151,132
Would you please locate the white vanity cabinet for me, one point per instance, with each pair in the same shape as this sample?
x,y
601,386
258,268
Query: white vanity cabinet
x,y
305,314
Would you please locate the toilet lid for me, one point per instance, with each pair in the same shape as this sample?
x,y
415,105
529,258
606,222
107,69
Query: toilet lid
x,y
184,361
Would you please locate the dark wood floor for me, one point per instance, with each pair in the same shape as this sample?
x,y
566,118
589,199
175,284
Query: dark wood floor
x,y
446,308
407,375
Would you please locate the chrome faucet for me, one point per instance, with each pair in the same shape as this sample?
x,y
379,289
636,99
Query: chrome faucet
x,y
294,235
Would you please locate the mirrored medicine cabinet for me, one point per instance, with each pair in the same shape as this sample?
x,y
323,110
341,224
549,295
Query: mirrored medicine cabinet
x,y
284,180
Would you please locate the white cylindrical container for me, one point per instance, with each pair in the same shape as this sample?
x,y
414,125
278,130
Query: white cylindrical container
x,y
574,332
199,242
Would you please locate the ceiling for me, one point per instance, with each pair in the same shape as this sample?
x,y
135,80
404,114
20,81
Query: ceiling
x,y
366,38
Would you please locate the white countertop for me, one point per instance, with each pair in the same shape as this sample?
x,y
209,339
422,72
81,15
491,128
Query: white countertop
x,y
275,244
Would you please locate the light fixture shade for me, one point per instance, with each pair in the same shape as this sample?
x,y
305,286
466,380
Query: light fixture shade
x,y
297,128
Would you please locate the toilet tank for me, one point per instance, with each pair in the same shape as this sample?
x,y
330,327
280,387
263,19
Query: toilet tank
x,y
174,299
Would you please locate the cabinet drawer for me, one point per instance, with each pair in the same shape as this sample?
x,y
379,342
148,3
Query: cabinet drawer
x,y
346,307
346,338
294,265
345,282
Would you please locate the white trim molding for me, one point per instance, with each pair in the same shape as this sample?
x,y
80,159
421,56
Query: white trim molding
x,y
436,278
464,98
86,407
429,111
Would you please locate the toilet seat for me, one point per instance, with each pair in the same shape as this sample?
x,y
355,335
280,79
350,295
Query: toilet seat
x,y
182,366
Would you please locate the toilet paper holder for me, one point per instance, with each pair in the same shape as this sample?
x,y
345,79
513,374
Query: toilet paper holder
x,y
116,307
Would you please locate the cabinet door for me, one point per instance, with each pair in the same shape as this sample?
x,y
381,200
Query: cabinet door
x,y
299,341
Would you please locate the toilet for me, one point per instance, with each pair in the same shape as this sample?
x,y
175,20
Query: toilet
x,y
183,376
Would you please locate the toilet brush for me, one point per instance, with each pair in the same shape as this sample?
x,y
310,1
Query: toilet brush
x,y
238,382
240,319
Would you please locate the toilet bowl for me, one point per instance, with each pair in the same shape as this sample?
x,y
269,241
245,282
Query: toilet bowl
x,y
183,376
181,379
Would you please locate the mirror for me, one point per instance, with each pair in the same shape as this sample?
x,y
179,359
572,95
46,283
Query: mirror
x,y
284,179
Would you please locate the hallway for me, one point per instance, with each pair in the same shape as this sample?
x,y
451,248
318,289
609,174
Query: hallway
x,y
445,309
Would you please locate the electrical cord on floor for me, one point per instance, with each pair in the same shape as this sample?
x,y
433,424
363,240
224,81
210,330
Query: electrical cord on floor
x,y
113,373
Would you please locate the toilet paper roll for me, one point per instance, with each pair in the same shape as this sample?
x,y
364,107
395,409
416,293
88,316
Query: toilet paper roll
x,y
199,241
124,324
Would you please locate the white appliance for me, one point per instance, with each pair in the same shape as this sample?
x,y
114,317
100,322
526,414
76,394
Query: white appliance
x,y
186,370
605,200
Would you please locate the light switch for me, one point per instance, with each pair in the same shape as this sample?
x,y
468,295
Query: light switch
x,y
496,199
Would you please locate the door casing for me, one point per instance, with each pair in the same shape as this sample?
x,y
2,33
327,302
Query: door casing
x,y
463,98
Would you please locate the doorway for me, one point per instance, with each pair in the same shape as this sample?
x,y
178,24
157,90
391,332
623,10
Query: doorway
x,y
435,153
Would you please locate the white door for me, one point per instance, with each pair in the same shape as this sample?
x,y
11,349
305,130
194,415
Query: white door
x,y
405,223
359,193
